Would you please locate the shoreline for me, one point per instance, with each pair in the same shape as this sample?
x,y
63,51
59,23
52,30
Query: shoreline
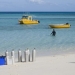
x,y
47,65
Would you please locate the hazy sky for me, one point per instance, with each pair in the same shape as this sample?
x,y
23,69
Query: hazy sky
x,y
37,5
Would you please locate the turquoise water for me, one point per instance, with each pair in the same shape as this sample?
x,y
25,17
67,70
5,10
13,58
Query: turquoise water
x,y
16,36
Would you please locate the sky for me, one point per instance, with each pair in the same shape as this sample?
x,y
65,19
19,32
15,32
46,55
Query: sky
x,y
37,5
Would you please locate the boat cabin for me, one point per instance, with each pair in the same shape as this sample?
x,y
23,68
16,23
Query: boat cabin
x,y
27,17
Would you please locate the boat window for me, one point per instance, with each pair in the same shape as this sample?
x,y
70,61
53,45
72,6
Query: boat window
x,y
24,17
67,23
29,18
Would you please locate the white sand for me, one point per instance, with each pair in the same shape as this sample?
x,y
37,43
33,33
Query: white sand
x,y
49,65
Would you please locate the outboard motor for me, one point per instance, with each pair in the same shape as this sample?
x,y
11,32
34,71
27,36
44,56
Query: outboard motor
x,y
38,21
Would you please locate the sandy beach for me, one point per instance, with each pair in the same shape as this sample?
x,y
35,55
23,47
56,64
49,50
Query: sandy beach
x,y
48,65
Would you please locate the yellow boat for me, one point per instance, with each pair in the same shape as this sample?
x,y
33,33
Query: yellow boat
x,y
67,25
28,20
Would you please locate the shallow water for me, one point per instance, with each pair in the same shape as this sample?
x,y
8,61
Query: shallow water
x,y
16,36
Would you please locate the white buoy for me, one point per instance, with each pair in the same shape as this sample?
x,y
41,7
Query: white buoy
x,y
19,56
33,55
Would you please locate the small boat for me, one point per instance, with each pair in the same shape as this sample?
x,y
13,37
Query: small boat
x,y
28,20
67,25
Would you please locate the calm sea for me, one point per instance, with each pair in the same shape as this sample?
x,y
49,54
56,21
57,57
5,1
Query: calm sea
x,y
16,36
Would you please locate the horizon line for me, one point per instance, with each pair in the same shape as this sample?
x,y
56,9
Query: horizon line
x,y
37,11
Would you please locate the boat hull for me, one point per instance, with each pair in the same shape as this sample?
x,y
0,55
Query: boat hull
x,y
60,26
28,22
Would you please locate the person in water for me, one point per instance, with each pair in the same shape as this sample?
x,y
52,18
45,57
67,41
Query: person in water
x,y
53,32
